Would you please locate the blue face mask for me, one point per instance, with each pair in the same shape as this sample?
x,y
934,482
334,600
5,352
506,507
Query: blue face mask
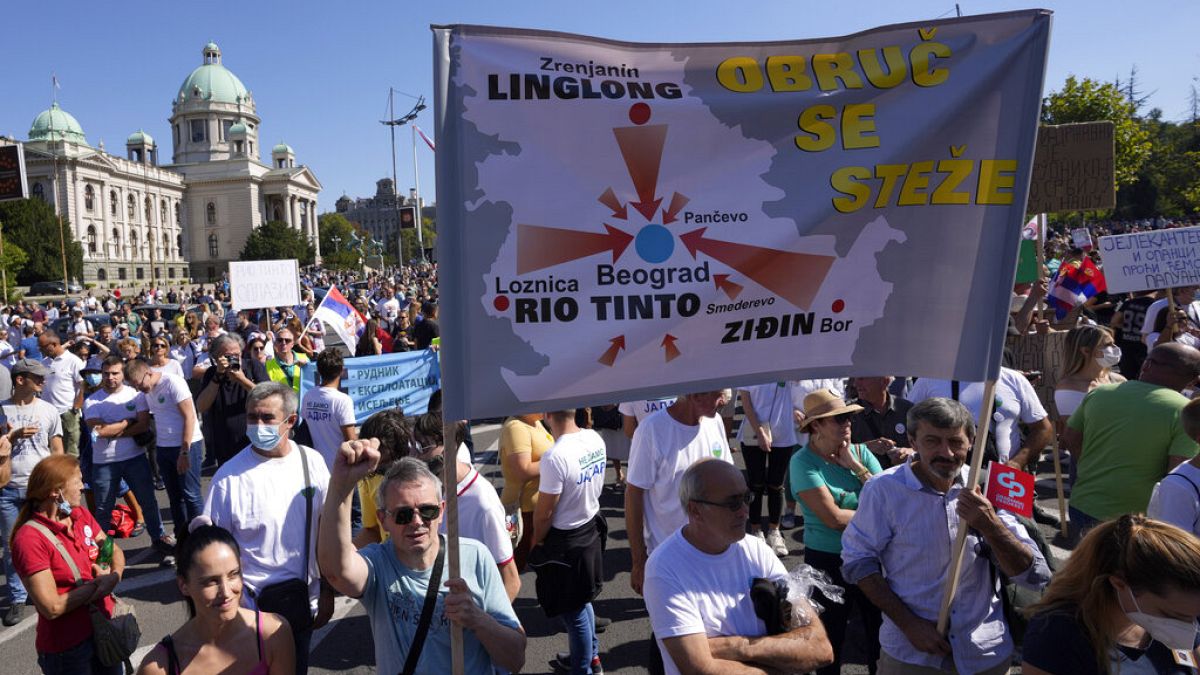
x,y
263,436
64,507
92,379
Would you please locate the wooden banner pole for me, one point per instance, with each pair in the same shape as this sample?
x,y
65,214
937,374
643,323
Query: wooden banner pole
x,y
960,541
450,487
1058,474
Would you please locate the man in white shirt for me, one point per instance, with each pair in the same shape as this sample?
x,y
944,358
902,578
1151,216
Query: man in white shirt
x,y
260,497
328,412
1176,498
115,414
177,438
1159,326
568,538
698,587
665,444
64,387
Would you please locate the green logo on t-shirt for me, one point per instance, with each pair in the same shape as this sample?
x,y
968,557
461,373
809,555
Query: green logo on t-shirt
x,y
716,450
129,406
161,398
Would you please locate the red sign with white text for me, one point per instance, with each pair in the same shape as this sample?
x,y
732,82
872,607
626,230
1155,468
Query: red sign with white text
x,y
1010,489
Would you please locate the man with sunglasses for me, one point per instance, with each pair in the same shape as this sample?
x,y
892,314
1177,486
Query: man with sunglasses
x,y
698,582
260,496
392,578
285,365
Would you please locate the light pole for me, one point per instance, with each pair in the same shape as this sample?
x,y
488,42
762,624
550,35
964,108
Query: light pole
x,y
392,124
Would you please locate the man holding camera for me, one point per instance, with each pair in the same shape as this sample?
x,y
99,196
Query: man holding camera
x,y
223,393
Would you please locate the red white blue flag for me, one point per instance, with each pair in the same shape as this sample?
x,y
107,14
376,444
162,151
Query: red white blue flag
x,y
342,317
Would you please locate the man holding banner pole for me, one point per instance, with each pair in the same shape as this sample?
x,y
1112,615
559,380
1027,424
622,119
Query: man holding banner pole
x,y
902,526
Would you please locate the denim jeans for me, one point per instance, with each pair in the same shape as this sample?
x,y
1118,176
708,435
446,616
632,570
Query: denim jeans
x,y
107,480
1080,524
78,660
10,503
581,639
182,490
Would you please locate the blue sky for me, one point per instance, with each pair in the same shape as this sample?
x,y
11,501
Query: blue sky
x,y
320,70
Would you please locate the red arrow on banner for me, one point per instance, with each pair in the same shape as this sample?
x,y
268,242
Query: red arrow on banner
x,y
723,283
642,148
609,199
678,201
795,277
609,356
669,348
541,247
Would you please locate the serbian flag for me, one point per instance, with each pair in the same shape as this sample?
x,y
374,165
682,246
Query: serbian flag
x,y
341,316
1073,284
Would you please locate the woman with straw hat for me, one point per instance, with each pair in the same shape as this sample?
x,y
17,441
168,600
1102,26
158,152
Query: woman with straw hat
x,y
827,476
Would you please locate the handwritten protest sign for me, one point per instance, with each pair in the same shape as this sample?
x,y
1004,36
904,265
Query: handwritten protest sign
x,y
264,283
1073,168
1142,261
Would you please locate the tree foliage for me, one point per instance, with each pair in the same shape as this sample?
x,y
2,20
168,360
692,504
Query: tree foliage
x,y
12,262
1087,100
276,240
31,225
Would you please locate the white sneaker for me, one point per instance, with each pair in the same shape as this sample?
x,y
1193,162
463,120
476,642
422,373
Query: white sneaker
x,y
775,541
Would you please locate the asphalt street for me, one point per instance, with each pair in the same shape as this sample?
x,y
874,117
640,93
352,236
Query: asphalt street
x,y
345,645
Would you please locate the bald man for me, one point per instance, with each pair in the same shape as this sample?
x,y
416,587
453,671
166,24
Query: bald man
x,y
697,584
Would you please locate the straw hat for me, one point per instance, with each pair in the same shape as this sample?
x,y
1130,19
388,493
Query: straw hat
x,y
824,403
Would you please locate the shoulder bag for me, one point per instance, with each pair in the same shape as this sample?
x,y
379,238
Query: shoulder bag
x,y
289,598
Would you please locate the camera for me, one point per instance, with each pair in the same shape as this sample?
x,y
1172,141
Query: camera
x,y
235,364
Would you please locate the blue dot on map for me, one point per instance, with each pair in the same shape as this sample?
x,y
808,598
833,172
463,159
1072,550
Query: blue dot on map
x,y
654,243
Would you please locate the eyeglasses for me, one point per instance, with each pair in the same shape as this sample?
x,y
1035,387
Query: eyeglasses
x,y
158,345
844,418
404,515
733,503
286,341
257,348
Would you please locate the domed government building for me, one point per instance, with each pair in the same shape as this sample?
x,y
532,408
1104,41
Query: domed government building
x,y
188,218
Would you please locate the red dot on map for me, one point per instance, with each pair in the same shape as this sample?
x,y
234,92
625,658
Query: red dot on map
x,y
639,113
838,306
501,303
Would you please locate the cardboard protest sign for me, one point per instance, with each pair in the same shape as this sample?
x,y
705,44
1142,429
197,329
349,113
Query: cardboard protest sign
x,y
1081,238
1010,489
264,283
1143,261
657,218
1073,169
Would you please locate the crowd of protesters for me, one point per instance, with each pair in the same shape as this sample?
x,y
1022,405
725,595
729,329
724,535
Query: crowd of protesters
x,y
132,394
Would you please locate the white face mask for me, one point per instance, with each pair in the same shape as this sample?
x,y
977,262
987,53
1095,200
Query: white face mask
x,y
1109,357
1173,633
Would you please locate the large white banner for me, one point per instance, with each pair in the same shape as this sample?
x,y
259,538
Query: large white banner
x,y
624,221
1143,261
264,283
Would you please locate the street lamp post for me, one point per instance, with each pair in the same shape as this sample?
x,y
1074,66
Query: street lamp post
x,y
392,124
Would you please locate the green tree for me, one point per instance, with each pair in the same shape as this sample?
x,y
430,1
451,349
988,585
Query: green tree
x,y
335,232
276,240
1087,100
12,262
31,225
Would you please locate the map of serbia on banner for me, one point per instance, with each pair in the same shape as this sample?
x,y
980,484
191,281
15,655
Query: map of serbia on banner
x,y
624,221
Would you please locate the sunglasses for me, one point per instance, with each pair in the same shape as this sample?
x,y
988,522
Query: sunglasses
x,y
733,503
158,345
843,418
286,341
404,515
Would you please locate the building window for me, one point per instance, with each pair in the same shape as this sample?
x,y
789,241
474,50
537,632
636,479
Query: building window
x,y
89,198
198,135
237,147
278,214
121,274
212,273
175,130
101,274
171,272
112,202
141,273
133,244
178,245
177,213
130,207
166,246
91,240
210,214
38,191
213,247
225,124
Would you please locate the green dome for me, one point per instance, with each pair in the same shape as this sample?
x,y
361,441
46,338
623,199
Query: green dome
x,y
139,137
237,129
282,147
56,124
213,80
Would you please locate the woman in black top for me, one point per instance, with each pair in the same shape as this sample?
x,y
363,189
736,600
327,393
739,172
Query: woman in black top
x,y
1126,601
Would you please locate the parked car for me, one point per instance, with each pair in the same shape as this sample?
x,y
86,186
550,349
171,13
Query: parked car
x,y
54,288
62,326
